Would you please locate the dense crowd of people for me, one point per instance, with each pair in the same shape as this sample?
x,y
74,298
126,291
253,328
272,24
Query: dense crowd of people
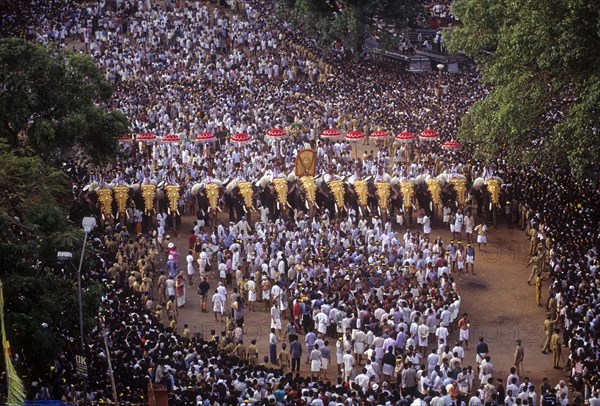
x,y
377,302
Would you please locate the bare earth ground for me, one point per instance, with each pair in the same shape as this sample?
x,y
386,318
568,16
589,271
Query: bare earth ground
x,y
500,304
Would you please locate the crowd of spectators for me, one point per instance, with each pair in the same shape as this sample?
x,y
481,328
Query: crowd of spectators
x,y
381,297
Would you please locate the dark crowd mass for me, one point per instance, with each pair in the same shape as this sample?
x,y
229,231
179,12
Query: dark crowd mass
x,y
363,293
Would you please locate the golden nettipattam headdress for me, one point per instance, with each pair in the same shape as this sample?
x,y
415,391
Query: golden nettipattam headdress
x,y
105,197
148,193
281,189
493,186
212,192
337,189
362,191
308,183
460,185
173,197
121,196
383,194
435,190
247,193
407,188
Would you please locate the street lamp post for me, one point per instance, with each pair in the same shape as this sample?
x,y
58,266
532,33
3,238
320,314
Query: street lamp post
x,y
105,333
88,223
440,67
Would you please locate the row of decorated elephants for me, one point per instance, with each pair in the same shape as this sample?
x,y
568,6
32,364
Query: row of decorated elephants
x,y
385,196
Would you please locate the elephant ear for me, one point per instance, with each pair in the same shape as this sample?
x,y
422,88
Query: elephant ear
x,y
196,189
478,183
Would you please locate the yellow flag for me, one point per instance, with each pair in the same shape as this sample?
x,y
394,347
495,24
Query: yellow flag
x,y
16,391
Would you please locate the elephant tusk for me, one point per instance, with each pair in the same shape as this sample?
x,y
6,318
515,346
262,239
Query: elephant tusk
x,y
379,210
277,206
244,207
306,204
336,208
289,205
360,211
431,206
316,205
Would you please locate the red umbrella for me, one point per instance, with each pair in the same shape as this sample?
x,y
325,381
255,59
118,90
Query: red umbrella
x,y
240,138
429,135
331,133
171,138
355,135
450,145
205,137
276,133
379,134
146,137
406,136
125,138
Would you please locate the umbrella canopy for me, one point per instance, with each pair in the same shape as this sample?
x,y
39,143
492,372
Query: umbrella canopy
x,y
276,133
146,137
406,136
355,135
331,133
205,137
125,138
451,145
379,134
171,138
429,135
240,138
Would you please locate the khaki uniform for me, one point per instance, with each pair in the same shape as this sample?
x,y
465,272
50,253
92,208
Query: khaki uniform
x,y
538,290
519,355
252,354
556,343
548,328
284,358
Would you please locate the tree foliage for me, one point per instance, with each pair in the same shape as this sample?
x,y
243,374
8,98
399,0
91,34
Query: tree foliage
x,y
351,22
50,100
542,61
33,228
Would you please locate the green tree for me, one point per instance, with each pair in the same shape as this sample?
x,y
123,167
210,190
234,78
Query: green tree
x,y
33,228
50,100
541,61
351,22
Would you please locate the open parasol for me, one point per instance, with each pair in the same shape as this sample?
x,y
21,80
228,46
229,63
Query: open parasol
x,y
171,138
452,145
125,138
429,135
276,133
146,137
240,138
331,133
406,136
205,137
355,135
379,135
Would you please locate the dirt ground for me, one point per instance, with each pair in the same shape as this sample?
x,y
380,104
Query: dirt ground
x,y
500,303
